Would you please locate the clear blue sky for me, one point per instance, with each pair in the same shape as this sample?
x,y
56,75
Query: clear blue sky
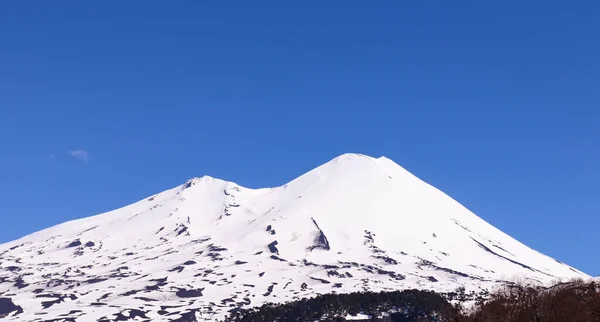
x,y
495,103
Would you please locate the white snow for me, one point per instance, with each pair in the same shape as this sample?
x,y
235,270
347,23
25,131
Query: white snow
x,y
359,316
354,223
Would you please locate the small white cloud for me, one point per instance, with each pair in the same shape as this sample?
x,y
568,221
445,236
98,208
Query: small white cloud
x,y
80,154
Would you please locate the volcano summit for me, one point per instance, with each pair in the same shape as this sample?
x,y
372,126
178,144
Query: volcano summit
x,y
209,246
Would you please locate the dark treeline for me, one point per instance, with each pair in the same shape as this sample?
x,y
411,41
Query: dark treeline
x,y
413,305
574,301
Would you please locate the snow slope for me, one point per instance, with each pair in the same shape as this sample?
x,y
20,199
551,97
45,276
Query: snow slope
x,y
210,246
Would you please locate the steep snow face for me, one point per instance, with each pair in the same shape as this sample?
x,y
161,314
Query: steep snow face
x,y
209,246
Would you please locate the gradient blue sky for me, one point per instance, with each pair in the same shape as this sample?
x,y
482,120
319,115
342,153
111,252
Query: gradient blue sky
x,y
495,103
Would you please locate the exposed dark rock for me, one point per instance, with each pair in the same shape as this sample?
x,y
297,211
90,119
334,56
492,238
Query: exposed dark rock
x,y
227,300
214,256
504,250
48,304
132,314
187,317
320,280
145,299
20,283
334,273
189,293
96,280
58,298
273,247
487,249
269,290
159,282
307,263
75,243
213,248
460,225
183,229
391,274
188,184
447,270
270,230
8,307
387,259
327,266
278,258
321,240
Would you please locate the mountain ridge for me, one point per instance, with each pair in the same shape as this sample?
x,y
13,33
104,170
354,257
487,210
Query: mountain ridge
x,y
209,246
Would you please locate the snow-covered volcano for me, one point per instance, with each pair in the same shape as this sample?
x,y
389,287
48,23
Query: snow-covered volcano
x,y
210,246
